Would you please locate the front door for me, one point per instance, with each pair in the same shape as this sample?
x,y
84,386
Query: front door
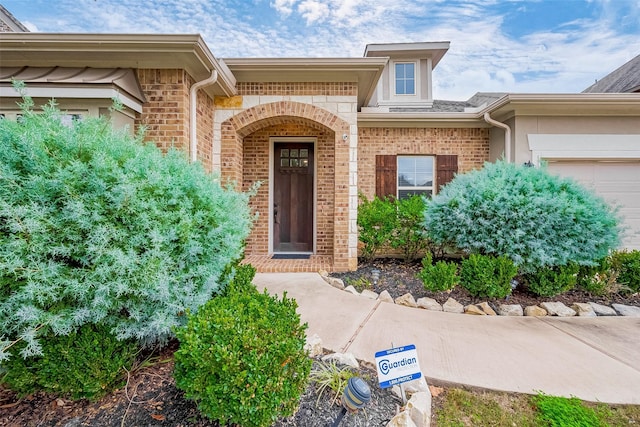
x,y
293,197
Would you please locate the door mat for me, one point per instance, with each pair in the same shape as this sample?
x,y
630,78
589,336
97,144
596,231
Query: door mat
x,y
290,256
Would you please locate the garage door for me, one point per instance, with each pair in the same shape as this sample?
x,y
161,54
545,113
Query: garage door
x,y
616,182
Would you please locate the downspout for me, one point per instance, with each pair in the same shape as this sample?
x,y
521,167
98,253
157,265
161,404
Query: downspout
x,y
507,135
193,148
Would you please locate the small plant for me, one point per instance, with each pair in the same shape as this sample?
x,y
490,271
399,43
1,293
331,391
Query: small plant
x,y
376,222
241,358
563,412
331,376
438,277
409,234
627,265
84,364
548,282
487,276
360,284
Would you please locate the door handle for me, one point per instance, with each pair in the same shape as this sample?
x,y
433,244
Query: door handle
x,y
276,220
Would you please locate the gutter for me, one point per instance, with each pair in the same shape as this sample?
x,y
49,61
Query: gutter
x,y
507,135
193,147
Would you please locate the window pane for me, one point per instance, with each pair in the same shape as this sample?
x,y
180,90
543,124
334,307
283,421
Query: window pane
x,y
293,152
399,71
284,152
409,87
284,162
304,162
304,152
405,194
409,71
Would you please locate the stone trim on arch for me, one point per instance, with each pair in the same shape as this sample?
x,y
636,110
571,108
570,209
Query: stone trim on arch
x,y
237,127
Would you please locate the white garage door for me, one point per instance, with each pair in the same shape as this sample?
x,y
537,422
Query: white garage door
x,y
616,182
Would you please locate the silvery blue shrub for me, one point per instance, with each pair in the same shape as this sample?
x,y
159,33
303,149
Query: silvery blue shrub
x,y
535,218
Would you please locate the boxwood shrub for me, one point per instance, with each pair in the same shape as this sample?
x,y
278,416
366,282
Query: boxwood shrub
x,y
487,276
241,358
86,363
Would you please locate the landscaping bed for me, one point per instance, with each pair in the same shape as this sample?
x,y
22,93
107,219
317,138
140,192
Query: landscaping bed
x,y
399,278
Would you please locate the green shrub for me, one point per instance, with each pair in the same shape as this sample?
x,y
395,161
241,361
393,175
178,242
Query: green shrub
x,y
487,276
535,218
438,277
598,279
627,266
99,227
242,280
548,282
84,364
376,222
241,358
409,233
563,412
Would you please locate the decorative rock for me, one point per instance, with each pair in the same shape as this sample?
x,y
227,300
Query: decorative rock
x,y
323,273
602,310
411,387
386,297
474,309
419,409
452,306
406,300
352,290
558,309
510,310
347,359
534,310
484,306
403,419
313,346
335,282
429,304
369,294
583,309
626,310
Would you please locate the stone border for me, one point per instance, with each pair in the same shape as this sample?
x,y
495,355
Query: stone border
x,y
588,309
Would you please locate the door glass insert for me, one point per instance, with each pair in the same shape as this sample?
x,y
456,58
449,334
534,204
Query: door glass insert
x,y
295,160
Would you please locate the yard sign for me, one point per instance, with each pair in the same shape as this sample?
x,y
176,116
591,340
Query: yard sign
x,y
397,365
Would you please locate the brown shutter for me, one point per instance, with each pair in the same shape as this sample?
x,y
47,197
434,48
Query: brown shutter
x,y
386,175
447,167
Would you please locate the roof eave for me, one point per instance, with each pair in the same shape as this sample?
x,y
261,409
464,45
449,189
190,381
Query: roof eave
x,y
364,71
139,51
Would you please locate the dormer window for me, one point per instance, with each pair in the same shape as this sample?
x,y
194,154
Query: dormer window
x,y
405,78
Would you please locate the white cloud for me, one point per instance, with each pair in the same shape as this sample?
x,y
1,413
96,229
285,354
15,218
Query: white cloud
x,y
285,7
313,11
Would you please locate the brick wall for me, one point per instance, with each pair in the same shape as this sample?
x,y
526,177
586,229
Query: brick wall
x,y
239,126
166,112
471,146
302,88
256,168
204,129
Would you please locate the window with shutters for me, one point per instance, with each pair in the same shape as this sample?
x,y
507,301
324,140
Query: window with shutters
x,y
403,175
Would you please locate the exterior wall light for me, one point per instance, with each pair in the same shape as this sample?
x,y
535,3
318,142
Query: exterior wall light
x,y
375,276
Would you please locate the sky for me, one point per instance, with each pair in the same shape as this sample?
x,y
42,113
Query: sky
x,y
518,46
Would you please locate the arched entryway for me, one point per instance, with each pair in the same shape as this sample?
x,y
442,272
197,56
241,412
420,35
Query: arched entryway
x,y
300,155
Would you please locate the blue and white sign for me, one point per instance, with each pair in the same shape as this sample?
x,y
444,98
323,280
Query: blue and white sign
x,y
397,365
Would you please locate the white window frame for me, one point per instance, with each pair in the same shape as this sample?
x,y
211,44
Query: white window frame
x,y
394,80
419,188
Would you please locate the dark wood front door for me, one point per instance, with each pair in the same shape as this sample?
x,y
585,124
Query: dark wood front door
x,y
293,197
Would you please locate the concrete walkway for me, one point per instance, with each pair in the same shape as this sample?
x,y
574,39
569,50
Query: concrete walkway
x,y
596,359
